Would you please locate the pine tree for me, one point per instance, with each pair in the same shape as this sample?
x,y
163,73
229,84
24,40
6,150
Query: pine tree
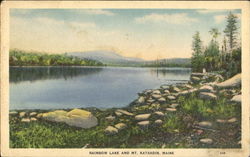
x,y
197,59
231,30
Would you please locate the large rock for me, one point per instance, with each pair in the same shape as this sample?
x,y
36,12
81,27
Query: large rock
x,y
236,98
22,114
13,113
33,113
195,79
141,100
110,130
207,96
165,86
142,116
76,117
120,126
206,88
159,113
235,81
156,92
156,96
26,120
110,118
162,99
171,97
143,124
176,89
158,122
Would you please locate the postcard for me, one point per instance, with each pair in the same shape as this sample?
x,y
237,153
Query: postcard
x,y
125,78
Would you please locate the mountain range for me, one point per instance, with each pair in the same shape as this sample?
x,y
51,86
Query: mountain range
x,y
113,58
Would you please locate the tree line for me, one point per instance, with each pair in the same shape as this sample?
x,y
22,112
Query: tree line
x,y
224,58
22,58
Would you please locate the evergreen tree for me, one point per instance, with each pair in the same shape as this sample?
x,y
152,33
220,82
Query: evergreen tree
x,y
197,59
231,30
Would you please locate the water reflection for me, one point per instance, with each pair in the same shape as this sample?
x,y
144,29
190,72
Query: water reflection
x,y
19,74
162,72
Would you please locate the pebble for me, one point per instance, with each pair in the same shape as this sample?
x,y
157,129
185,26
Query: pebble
x,y
25,120
171,109
110,118
205,124
158,122
174,105
232,120
206,140
33,119
221,121
110,130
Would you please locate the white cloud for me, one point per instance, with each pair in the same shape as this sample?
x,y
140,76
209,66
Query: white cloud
x,y
97,12
208,11
180,18
221,18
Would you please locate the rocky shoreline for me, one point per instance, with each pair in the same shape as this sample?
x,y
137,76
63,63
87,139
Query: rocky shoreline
x,y
159,109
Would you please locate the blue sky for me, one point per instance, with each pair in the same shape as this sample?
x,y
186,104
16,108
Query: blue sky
x,y
143,33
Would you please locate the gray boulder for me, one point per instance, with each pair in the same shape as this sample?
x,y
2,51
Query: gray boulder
x,y
142,116
236,99
207,96
165,86
76,117
235,81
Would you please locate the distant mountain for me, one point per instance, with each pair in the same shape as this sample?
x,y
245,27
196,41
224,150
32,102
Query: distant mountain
x,y
173,61
112,58
106,57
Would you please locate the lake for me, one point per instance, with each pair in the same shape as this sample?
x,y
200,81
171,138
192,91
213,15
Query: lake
x,y
80,87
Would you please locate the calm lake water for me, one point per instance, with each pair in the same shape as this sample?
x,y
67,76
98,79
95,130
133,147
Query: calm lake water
x,y
79,87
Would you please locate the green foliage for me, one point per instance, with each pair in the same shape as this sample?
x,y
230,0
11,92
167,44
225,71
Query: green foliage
x,y
215,59
231,30
197,60
21,58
